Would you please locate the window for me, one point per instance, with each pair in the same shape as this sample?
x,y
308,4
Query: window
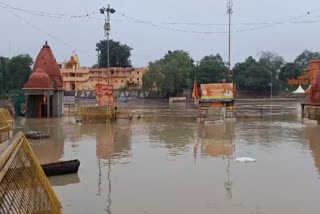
x,y
138,72
137,79
112,72
116,81
121,81
72,75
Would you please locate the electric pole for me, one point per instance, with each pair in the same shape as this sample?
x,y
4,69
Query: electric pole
x,y
229,12
107,29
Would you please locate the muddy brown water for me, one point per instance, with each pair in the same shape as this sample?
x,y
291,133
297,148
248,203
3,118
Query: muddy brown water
x,y
169,163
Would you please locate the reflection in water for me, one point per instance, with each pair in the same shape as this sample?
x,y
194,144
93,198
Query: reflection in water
x,y
228,183
176,135
312,134
109,202
47,150
217,140
165,148
64,180
112,143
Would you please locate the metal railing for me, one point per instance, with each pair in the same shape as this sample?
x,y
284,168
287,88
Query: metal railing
x,y
24,188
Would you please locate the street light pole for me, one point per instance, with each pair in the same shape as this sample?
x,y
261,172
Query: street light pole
x,y
98,56
107,33
229,12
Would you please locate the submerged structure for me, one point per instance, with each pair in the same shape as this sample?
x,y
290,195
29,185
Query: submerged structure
x,y
311,106
44,89
216,102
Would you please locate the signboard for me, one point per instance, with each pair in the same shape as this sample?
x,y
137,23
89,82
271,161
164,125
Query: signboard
x,y
104,94
219,91
69,100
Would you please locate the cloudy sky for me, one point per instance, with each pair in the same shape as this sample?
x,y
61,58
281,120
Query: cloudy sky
x,y
152,27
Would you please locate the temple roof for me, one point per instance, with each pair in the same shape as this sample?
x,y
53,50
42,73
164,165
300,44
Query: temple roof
x,y
47,66
39,80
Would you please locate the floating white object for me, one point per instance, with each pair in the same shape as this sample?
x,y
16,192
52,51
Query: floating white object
x,y
245,160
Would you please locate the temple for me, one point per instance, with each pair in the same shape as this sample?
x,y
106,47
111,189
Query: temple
x,y
44,89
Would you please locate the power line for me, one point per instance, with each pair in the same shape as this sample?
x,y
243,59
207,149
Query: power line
x,y
46,14
267,25
90,15
160,26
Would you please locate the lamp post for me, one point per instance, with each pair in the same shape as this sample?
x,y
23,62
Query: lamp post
x,y
107,29
98,62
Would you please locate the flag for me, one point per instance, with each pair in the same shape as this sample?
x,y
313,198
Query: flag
x,y
195,93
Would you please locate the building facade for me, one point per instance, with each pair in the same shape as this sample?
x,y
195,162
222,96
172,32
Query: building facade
x,y
77,78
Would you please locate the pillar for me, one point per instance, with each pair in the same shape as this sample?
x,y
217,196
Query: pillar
x,y
48,104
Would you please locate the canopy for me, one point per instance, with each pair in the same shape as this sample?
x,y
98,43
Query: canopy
x,y
299,90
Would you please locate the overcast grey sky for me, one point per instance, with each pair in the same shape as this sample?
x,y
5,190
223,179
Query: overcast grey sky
x,y
26,33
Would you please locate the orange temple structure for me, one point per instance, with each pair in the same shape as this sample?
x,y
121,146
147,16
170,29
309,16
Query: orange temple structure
x,y
311,106
44,89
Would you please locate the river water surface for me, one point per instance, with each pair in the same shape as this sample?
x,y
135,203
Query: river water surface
x,y
169,163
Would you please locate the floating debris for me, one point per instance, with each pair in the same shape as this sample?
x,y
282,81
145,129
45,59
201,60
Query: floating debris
x,y
36,135
245,160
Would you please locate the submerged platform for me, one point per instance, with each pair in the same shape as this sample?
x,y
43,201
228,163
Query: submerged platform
x,y
310,111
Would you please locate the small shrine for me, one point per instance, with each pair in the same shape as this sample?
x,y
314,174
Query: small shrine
x,y
216,102
44,88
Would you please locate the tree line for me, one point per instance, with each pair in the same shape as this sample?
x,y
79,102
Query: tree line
x,y
14,72
177,71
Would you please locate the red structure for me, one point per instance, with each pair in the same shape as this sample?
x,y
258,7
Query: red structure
x,y
311,107
44,89
313,93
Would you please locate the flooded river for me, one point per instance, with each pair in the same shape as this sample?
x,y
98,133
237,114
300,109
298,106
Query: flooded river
x,y
169,163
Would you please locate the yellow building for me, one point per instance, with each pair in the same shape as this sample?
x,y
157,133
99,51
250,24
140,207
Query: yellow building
x,y
75,77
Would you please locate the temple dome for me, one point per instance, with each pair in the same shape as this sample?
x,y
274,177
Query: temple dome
x,y
48,65
39,80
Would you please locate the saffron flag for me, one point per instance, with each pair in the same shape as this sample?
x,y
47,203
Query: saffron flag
x,y
195,93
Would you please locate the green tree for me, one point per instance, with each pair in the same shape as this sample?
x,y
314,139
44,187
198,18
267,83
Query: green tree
x,y
255,76
273,60
211,69
119,54
154,77
303,59
18,71
290,70
171,74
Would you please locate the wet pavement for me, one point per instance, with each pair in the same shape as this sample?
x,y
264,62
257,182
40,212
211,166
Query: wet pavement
x,y
167,162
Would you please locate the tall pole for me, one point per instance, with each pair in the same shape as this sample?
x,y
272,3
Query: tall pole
x,y
229,12
107,33
98,63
